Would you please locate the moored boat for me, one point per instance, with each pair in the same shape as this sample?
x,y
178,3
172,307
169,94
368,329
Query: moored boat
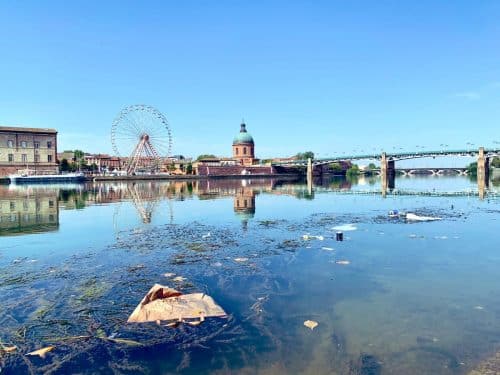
x,y
46,179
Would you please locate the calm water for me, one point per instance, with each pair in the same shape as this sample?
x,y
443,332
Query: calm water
x,y
415,298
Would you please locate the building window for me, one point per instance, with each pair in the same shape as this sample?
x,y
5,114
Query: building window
x,y
49,144
36,144
237,151
12,206
51,204
24,144
24,158
244,150
37,158
49,158
11,158
10,143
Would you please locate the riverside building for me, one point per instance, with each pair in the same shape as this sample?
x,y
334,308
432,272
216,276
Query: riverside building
x,y
28,148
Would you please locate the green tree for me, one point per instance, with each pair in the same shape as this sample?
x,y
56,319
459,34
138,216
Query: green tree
x,y
472,169
64,166
336,168
353,171
206,156
189,168
495,163
305,155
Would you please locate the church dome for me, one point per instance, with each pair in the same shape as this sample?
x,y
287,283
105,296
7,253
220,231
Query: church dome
x,y
243,136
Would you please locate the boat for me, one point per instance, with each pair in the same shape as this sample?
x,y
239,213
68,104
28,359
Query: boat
x,y
26,178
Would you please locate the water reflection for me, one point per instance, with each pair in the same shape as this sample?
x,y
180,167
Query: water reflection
x,y
32,209
28,210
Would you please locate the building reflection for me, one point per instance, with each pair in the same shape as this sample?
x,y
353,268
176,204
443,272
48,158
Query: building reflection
x,y
28,210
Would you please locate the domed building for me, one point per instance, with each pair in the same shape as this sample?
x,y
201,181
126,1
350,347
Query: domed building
x,y
244,147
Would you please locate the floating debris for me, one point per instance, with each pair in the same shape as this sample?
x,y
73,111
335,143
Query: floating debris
x,y
164,303
206,235
478,307
169,274
311,324
42,352
345,227
327,248
179,279
307,237
343,262
240,260
7,349
413,217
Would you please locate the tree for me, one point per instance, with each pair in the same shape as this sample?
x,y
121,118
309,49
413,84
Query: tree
x,y
206,156
353,171
472,169
495,163
336,168
189,168
305,155
64,167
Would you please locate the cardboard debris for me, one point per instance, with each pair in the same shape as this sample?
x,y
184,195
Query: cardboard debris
x,y
163,303
311,324
42,352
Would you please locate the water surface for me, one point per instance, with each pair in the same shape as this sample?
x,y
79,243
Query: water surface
x,y
415,297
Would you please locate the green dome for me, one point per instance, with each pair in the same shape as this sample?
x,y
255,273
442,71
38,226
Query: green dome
x,y
243,136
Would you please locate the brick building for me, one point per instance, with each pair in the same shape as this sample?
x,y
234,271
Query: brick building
x,y
32,148
243,161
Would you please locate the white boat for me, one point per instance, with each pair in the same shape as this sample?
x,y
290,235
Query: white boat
x,y
26,178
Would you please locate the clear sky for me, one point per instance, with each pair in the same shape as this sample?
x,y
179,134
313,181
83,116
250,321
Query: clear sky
x,y
326,76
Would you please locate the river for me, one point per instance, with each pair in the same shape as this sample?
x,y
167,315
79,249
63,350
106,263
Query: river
x,y
394,297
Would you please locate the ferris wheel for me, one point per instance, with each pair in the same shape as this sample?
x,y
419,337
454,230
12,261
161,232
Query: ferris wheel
x,y
141,134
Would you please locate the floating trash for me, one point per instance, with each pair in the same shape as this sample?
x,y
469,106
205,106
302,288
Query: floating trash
x,y
339,236
413,217
41,352
327,248
169,274
345,227
206,235
179,279
240,260
343,262
307,237
479,307
311,324
164,303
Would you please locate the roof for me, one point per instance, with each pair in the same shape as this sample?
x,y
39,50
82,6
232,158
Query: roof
x,y
26,130
243,136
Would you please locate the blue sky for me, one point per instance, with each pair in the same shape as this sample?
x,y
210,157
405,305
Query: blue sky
x,y
327,76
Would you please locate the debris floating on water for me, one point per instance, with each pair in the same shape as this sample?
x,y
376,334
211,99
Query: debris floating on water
x,y
164,303
169,274
206,235
240,260
311,324
307,237
345,227
42,352
413,217
179,279
343,262
327,248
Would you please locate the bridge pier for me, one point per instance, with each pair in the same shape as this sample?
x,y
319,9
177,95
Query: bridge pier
x,y
309,176
387,173
483,172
